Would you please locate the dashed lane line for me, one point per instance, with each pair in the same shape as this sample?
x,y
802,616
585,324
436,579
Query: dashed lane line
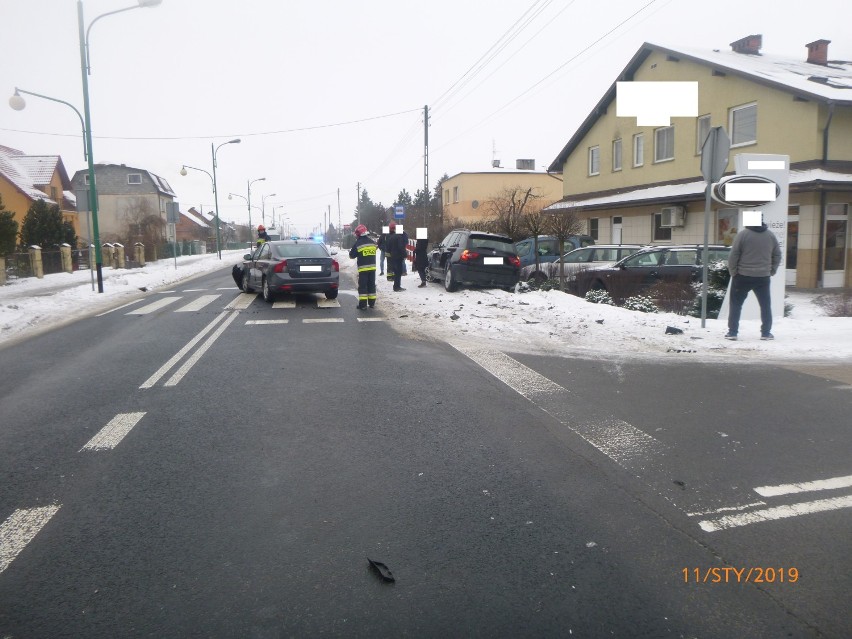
x,y
322,320
111,435
20,528
804,487
372,319
777,512
264,322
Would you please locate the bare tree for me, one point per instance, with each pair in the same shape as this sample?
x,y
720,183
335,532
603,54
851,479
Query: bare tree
x,y
507,209
535,221
562,224
144,224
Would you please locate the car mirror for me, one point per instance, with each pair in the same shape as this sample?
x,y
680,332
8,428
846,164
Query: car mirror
x,y
334,251
247,256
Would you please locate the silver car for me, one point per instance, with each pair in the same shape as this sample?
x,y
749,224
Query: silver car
x,y
581,259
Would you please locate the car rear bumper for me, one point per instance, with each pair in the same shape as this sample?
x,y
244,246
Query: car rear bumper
x,y
287,283
482,276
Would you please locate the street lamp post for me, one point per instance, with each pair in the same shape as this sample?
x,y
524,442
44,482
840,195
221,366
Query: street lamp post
x,y
84,67
248,200
213,150
263,206
212,181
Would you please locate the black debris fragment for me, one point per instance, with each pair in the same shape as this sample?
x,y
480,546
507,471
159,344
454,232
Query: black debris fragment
x,y
454,316
382,571
599,321
671,330
680,483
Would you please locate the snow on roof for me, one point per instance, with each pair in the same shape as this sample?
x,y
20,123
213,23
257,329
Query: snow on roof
x,y
39,168
190,215
690,189
13,167
832,81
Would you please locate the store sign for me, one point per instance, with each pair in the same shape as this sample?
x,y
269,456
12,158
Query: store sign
x,y
745,191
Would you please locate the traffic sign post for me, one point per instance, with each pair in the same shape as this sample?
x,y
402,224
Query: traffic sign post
x,y
714,161
399,212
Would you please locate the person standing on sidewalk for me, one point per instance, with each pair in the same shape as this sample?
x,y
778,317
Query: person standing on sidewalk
x,y
395,246
421,259
364,250
755,257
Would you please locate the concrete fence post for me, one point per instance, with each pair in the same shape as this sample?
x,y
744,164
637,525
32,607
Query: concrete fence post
x,y
2,271
65,255
35,261
139,249
92,257
106,254
118,255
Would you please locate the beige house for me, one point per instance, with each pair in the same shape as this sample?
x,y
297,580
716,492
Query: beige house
x,y
466,195
27,178
644,184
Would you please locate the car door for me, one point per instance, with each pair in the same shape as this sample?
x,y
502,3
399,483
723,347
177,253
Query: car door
x,y
449,248
635,274
260,255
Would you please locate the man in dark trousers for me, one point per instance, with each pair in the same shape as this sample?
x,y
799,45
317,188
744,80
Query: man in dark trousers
x,y
421,259
364,250
755,257
396,245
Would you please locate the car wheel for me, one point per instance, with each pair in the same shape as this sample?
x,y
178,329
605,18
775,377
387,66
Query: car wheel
x,y
268,295
598,285
246,287
449,281
537,278
331,295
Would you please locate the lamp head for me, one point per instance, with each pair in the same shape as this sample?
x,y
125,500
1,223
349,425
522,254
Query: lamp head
x,y
236,141
230,196
149,3
183,170
17,102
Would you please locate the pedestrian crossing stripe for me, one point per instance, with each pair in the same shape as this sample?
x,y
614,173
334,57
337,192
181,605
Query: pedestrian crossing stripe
x,y
198,303
154,306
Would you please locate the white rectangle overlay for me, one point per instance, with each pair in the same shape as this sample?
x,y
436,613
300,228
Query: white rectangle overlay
x,y
493,260
312,269
756,165
111,435
745,192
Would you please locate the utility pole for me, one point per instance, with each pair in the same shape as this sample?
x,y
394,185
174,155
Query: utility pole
x,y
339,226
358,205
425,165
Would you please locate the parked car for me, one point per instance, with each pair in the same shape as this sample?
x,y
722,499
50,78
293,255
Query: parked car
x,y
290,266
594,256
473,258
548,247
637,273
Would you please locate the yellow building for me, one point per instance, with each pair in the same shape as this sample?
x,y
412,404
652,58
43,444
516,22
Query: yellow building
x,y
466,196
644,184
25,179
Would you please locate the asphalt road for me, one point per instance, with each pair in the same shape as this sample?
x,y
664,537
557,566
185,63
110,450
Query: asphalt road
x,y
251,467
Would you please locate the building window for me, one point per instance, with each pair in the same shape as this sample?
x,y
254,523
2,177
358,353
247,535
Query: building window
x,y
616,155
639,149
455,194
594,160
661,233
743,125
53,194
86,179
664,144
134,178
792,237
701,132
835,236
593,228
446,196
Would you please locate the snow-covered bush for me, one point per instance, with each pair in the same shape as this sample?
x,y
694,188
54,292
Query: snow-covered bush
x,y
599,297
717,287
640,303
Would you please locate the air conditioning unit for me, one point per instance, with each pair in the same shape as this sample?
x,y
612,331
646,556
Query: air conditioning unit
x,y
672,216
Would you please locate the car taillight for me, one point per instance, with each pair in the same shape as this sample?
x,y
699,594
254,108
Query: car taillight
x,y
281,267
335,266
515,260
468,255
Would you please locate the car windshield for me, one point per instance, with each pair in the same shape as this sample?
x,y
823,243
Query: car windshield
x,y
306,249
496,243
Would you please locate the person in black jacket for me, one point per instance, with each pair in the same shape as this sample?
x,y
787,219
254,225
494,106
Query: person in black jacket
x,y
395,246
421,259
364,250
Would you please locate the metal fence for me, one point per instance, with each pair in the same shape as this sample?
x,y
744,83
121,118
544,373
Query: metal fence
x,y
19,265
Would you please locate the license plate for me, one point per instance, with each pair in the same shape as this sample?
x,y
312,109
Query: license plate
x,y
493,260
315,269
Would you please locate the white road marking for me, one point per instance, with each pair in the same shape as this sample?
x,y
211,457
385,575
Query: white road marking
x,y
242,301
193,359
198,304
225,288
117,308
625,444
372,319
322,320
174,360
323,303
20,528
791,489
193,290
154,306
778,512
111,435
284,304
726,509
279,321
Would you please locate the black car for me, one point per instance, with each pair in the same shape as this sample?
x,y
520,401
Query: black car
x,y
290,266
636,273
474,258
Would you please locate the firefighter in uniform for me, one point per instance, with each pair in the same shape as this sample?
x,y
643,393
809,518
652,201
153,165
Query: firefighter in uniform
x,y
364,250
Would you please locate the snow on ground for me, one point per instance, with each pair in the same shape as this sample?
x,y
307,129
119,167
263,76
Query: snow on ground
x,y
549,322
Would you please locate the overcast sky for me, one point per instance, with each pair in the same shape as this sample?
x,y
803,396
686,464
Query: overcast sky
x,y
329,93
